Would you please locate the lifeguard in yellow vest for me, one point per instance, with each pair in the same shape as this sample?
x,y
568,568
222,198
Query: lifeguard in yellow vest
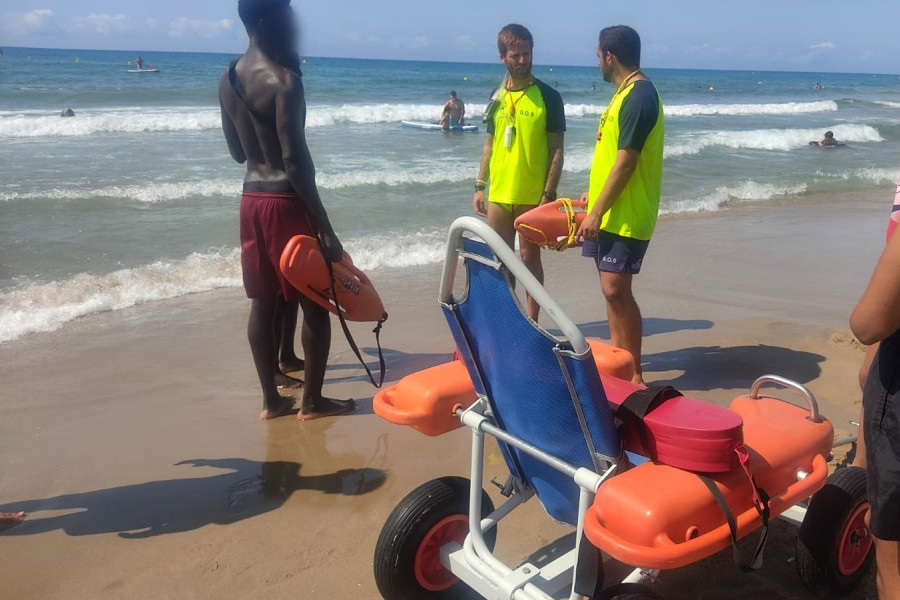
x,y
522,158
625,185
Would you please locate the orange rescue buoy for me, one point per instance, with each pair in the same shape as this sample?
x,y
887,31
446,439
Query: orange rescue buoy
x,y
553,225
304,266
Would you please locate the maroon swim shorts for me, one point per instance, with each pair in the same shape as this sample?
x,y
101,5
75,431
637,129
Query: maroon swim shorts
x,y
268,222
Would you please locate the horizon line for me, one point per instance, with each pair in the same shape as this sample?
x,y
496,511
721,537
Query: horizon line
x,y
411,60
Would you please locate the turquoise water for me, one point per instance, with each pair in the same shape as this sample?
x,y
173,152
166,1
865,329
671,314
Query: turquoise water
x,y
135,199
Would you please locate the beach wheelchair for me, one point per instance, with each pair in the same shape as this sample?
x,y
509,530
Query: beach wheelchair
x,y
646,476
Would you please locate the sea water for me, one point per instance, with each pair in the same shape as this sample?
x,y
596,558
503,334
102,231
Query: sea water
x,y
135,199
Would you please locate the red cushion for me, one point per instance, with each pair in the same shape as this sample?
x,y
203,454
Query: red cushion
x,y
682,432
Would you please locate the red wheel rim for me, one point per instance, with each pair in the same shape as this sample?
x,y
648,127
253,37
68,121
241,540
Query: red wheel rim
x,y
856,542
430,573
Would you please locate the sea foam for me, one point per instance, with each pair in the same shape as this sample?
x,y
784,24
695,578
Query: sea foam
x,y
47,306
747,191
38,124
767,139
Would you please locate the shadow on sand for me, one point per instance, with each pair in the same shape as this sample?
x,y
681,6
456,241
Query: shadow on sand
x,y
714,367
652,326
248,488
399,364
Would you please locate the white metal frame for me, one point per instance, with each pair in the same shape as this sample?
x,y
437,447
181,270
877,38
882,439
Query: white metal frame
x,y
473,562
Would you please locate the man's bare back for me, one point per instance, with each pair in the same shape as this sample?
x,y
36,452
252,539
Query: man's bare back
x,y
255,141
264,118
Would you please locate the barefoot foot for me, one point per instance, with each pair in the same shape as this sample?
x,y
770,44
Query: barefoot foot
x,y
326,407
286,382
292,366
283,408
9,520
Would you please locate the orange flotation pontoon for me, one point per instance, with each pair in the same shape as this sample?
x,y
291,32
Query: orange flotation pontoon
x,y
681,432
554,224
634,518
304,266
427,399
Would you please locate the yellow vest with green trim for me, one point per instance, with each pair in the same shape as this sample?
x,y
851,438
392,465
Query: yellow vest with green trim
x,y
635,212
518,174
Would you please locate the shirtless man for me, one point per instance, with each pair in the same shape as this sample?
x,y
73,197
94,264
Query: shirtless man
x,y
264,119
139,63
455,109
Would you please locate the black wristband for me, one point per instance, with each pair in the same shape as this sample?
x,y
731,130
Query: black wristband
x,y
550,196
480,188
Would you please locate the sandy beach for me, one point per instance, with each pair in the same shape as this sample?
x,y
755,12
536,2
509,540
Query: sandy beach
x,y
131,437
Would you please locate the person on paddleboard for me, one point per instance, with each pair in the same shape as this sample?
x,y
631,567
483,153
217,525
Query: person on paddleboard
x,y
264,119
625,184
454,113
522,159
139,63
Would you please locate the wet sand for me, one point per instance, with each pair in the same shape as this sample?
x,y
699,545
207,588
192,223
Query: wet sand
x,y
131,437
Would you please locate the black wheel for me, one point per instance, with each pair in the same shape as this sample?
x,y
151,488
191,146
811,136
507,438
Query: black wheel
x,y
834,547
407,555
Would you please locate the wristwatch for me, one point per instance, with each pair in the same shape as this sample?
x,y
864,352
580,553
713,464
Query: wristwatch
x,y
551,196
480,187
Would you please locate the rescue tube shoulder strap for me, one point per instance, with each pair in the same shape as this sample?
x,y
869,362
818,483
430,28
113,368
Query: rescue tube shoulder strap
x,y
346,329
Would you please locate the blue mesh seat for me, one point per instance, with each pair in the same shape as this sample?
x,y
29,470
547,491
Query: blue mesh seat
x,y
538,388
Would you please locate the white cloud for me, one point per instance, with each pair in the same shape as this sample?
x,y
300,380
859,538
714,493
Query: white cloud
x,y
36,18
823,46
101,23
420,42
184,27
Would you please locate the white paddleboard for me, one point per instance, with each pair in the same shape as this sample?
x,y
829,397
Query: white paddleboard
x,y
143,70
437,126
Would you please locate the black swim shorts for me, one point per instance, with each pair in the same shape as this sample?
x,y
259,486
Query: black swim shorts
x,y
881,407
616,254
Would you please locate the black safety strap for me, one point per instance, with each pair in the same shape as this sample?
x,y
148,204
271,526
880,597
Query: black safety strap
x,y
627,588
347,334
762,507
637,405
241,93
589,574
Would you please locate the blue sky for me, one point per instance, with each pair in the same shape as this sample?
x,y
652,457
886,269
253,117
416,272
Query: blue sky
x,y
822,36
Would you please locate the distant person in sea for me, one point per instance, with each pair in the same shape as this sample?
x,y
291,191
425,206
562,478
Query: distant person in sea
x,y
264,119
10,520
828,141
876,321
625,184
445,118
522,159
455,111
139,63
67,112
